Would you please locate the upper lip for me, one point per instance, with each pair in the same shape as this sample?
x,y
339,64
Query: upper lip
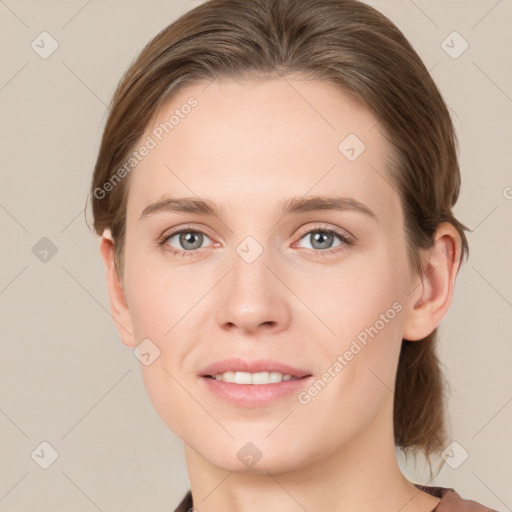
x,y
256,366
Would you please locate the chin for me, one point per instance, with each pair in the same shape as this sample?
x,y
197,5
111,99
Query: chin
x,y
250,457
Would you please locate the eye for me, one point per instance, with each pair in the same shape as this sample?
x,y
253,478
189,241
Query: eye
x,y
189,240
321,240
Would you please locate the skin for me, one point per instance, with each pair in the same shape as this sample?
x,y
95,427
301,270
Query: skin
x,y
248,147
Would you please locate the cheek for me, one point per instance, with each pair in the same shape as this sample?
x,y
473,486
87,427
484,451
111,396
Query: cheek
x,y
170,399
353,295
157,295
362,304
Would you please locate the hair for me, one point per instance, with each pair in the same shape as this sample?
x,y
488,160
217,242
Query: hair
x,y
353,46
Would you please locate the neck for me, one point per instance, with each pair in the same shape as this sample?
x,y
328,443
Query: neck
x,y
360,476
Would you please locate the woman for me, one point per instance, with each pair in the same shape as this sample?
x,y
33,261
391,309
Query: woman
x,y
274,193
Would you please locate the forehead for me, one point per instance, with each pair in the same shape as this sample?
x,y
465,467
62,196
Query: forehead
x,y
251,144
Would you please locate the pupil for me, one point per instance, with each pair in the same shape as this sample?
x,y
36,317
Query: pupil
x,y
326,236
187,238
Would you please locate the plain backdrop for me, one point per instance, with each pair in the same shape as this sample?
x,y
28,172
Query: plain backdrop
x,y
65,377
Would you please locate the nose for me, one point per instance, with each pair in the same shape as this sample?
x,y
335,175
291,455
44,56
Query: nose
x,y
254,297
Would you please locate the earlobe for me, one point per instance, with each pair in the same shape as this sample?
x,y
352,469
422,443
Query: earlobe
x,y
118,304
432,294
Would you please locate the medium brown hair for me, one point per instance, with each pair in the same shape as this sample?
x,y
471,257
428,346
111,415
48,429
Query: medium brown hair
x,y
355,47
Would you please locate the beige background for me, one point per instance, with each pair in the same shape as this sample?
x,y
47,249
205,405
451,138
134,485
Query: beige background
x,y
65,377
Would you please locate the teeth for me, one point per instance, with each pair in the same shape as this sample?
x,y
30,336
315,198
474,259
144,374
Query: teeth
x,y
253,378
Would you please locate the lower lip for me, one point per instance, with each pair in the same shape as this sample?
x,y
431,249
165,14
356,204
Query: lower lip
x,y
255,395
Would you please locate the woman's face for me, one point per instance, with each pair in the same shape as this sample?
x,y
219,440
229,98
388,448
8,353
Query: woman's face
x,y
254,283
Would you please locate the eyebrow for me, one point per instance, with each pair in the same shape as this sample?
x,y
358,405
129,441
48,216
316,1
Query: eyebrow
x,y
293,205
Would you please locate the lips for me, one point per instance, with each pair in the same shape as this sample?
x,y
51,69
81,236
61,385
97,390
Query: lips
x,y
237,389
257,366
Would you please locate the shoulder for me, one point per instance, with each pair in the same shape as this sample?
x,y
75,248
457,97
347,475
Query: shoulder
x,y
451,501
185,504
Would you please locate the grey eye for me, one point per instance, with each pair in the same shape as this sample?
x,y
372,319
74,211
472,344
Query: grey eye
x,y
187,239
320,239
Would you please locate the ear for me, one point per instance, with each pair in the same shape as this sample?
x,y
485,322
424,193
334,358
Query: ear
x,y
118,304
431,296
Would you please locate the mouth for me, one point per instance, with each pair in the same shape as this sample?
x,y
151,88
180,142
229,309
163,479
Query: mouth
x,y
257,372
253,384
257,379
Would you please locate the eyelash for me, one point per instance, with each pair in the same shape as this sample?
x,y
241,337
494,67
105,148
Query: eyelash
x,y
347,241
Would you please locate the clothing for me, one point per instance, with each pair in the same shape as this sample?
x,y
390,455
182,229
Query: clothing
x,y
450,501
